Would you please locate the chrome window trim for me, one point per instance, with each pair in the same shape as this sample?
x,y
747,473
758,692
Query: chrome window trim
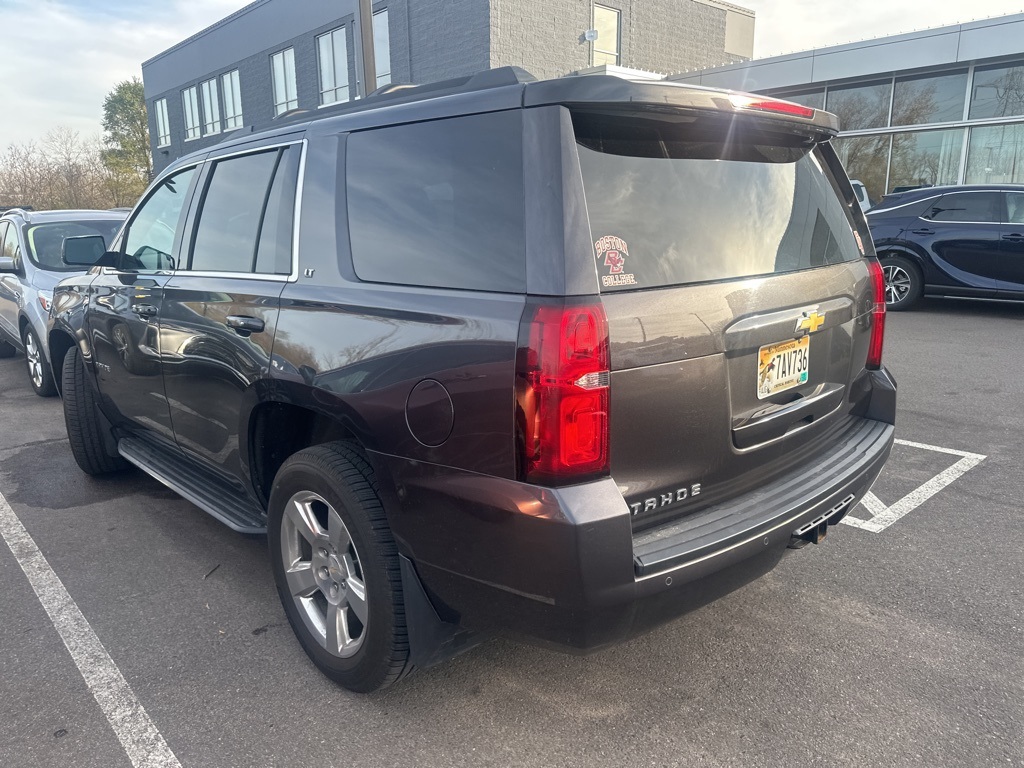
x,y
942,194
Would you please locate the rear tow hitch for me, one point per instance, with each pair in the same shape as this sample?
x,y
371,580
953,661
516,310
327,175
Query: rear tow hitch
x,y
815,531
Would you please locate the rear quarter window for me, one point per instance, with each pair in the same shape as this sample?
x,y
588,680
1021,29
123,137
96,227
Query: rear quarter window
x,y
439,203
696,200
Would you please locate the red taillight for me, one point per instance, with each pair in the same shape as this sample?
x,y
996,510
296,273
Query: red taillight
x,y
562,392
771,105
877,316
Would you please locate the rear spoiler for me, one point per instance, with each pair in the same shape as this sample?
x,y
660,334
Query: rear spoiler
x,y
660,96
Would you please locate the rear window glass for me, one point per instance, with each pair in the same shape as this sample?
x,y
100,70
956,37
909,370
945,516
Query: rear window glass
x,y
686,200
439,203
45,240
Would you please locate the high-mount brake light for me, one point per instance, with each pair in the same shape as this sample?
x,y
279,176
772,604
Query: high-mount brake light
x,y
874,361
562,392
771,105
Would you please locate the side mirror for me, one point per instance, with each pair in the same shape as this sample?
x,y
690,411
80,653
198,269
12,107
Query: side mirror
x,y
82,251
7,264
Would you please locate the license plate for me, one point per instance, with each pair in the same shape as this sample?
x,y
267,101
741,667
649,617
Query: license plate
x,y
782,366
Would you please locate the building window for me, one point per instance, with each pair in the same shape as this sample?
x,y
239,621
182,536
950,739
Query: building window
x,y
921,99
211,107
282,65
382,47
995,155
606,47
332,50
190,105
865,158
998,91
163,128
863,105
929,157
232,99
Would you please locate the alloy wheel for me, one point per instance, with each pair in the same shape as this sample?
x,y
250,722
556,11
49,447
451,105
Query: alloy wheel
x,y
897,283
34,357
324,573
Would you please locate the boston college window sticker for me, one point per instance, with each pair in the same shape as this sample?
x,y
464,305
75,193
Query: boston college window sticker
x,y
612,253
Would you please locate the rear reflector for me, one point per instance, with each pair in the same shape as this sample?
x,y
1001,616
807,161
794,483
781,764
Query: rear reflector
x,y
771,105
562,381
874,361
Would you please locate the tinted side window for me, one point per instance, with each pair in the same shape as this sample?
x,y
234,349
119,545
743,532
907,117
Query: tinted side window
x,y
274,254
232,213
965,206
1015,207
150,239
10,242
439,203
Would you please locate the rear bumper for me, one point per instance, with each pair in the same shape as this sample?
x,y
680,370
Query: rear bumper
x,y
562,566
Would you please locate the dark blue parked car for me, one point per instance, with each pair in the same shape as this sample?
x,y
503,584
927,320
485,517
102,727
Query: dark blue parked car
x,y
951,241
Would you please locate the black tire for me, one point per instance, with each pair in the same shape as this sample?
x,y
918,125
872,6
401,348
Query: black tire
x,y
340,479
903,282
7,349
84,425
39,374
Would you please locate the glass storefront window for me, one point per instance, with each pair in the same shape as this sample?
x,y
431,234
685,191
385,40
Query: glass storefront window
x,y
998,91
859,106
866,159
929,98
926,157
995,155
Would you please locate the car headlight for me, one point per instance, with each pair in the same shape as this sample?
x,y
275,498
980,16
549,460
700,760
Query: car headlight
x,y
46,300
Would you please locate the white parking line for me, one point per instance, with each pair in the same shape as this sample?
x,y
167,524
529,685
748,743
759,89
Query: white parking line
x,y
882,516
141,740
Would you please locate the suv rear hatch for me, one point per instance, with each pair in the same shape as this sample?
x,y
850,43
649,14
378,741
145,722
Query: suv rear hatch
x,y
737,294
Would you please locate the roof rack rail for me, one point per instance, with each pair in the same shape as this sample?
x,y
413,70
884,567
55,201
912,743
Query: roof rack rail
x,y
398,92
17,210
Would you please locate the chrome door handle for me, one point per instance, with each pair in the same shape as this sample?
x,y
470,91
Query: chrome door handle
x,y
145,310
244,324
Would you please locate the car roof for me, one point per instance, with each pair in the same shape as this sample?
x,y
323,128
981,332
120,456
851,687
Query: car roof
x,y
509,88
77,214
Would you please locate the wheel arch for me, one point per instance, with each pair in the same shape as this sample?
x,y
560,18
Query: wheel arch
x,y
287,420
891,249
59,343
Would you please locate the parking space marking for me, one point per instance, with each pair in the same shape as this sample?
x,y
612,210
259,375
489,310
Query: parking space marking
x,y
882,516
138,735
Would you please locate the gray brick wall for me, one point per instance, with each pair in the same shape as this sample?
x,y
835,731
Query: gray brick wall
x,y
449,38
667,36
670,36
542,36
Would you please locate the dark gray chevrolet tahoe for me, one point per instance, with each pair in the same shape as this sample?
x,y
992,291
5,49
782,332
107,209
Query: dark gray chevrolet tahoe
x,y
558,359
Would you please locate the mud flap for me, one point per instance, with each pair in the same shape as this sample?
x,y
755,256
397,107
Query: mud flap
x,y
431,640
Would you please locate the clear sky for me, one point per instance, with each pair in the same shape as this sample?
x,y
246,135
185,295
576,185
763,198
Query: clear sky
x,y
59,58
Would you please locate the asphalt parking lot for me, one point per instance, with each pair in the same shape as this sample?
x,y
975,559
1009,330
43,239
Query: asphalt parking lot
x,y
897,646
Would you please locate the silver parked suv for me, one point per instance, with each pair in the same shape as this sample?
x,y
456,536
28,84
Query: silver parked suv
x,y
31,264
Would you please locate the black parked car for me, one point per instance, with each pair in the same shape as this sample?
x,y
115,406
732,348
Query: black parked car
x,y
951,241
560,359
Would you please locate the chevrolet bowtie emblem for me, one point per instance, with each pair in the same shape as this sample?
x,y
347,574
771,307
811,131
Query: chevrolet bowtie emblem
x,y
810,322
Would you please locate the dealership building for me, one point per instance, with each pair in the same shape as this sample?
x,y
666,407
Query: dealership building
x,y
940,106
273,56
